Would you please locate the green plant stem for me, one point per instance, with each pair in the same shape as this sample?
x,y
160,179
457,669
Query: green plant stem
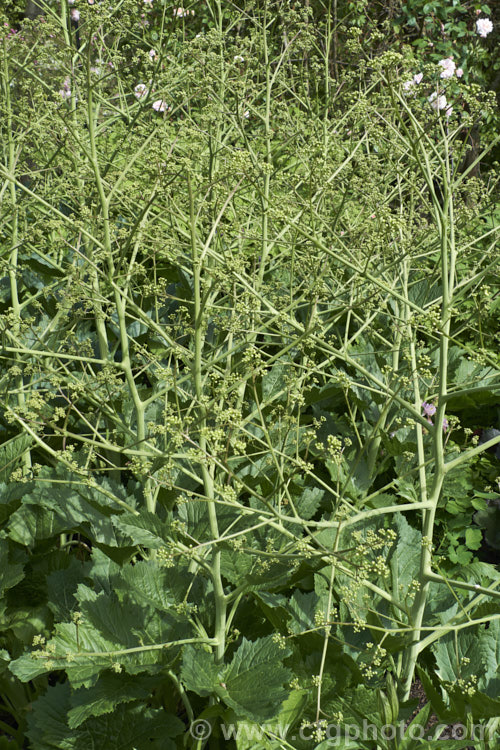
x,y
445,225
207,477
14,243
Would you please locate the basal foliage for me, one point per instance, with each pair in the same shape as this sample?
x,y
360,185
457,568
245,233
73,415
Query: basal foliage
x,y
248,327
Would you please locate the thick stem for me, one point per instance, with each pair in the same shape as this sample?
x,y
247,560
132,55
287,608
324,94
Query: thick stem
x,y
206,469
444,221
14,244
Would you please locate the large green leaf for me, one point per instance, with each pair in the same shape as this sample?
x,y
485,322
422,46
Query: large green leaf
x,y
146,581
110,633
127,727
47,727
66,503
11,496
257,664
357,704
244,569
240,684
28,524
10,573
110,690
62,586
471,653
199,671
11,453
302,607
143,529
405,560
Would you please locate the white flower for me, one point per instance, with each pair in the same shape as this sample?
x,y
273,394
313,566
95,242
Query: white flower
x,y
148,2
141,91
153,54
161,106
437,101
418,77
484,26
448,67
459,72
65,93
238,58
75,14
246,114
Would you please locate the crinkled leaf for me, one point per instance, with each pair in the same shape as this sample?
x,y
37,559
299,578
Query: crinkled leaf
x,y
199,671
110,690
11,496
256,664
308,502
473,652
27,524
144,529
243,569
11,452
71,505
10,573
358,703
405,559
47,727
302,607
110,632
61,588
127,727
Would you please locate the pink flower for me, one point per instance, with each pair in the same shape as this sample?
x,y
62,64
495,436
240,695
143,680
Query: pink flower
x,y
484,27
160,106
446,424
438,102
448,67
182,12
459,72
408,85
75,14
428,409
153,54
141,91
